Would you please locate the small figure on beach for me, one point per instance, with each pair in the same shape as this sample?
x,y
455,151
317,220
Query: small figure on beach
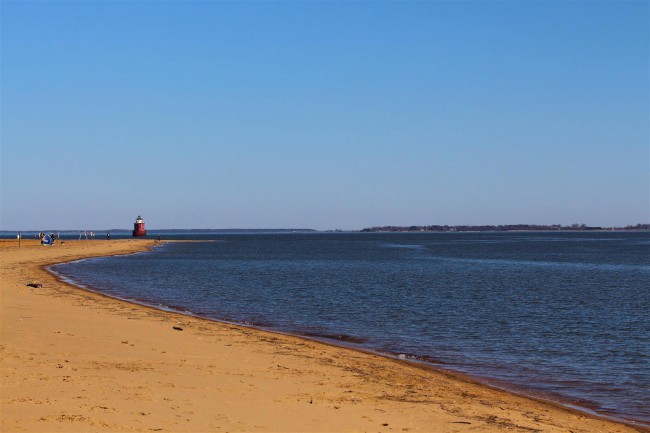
x,y
108,236
158,238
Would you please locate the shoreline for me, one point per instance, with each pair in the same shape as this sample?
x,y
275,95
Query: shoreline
x,y
411,360
352,342
308,384
557,400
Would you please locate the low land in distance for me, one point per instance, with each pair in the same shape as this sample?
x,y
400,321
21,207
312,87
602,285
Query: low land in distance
x,y
503,228
376,229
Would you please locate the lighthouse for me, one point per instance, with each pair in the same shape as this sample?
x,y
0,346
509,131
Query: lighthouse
x,y
138,227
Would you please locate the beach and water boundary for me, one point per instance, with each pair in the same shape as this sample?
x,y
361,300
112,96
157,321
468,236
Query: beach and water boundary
x,y
66,352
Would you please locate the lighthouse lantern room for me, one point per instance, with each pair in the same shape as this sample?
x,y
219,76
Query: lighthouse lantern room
x,y
138,227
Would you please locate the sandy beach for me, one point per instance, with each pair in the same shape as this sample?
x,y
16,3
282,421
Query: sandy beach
x,y
74,360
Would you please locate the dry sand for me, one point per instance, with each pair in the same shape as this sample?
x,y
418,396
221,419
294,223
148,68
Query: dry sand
x,y
78,361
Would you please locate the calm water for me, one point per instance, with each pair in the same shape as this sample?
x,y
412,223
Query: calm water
x,y
559,315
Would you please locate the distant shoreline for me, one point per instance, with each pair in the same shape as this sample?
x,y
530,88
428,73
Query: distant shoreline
x,y
507,228
376,229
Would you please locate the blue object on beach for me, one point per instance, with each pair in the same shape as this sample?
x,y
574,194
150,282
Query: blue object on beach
x,y
47,240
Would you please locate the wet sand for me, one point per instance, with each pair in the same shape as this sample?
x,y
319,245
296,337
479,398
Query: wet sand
x,y
73,360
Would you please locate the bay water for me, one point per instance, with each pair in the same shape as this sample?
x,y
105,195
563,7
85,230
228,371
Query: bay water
x,y
558,315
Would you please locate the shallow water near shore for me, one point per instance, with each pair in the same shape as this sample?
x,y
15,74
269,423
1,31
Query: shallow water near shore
x,y
557,315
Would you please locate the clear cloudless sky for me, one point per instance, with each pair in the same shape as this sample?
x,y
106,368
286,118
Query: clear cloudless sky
x,y
324,114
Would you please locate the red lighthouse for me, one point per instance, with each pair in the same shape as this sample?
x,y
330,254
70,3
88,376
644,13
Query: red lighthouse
x,y
138,227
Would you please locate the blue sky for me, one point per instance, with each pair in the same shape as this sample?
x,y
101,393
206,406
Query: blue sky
x,y
324,115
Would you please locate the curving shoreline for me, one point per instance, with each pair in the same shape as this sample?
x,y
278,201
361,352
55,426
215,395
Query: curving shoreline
x,y
75,360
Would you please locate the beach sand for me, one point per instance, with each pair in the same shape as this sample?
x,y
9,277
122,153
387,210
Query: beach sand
x,y
73,361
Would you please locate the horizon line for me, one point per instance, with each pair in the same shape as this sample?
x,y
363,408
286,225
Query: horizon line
x,y
572,227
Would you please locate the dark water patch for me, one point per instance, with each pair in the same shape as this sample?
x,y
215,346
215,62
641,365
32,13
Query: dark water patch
x,y
338,337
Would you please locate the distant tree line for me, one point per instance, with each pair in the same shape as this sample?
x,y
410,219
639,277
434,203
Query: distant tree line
x,y
501,228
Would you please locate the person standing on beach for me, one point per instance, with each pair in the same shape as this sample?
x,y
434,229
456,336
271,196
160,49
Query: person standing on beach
x,y
108,236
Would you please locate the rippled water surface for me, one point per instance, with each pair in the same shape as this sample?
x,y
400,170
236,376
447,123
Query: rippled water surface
x,y
559,315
